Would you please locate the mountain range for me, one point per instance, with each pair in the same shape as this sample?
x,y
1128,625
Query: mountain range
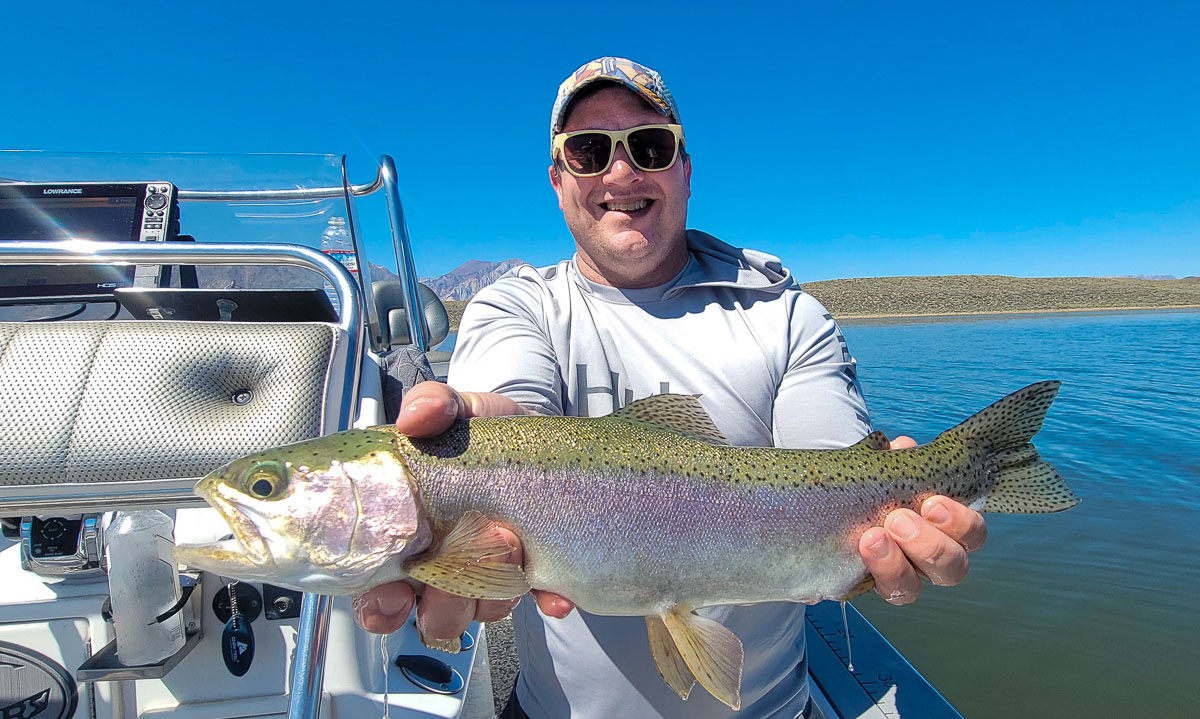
x,y
464,281
226,276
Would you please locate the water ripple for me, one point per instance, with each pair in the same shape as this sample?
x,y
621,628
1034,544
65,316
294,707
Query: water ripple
x,y
1080,595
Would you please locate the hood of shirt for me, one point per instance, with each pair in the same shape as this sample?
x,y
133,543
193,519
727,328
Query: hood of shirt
x,y
711,264
718,264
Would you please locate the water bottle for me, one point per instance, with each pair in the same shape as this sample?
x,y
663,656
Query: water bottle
x,y
143,582
335,242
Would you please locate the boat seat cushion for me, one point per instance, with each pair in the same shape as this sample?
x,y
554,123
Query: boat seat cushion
x,y
122,402
393,316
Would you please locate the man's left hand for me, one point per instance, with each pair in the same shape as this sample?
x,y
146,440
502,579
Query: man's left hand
x,y
932,544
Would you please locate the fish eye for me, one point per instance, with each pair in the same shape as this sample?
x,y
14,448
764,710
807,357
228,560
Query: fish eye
x,y
264,480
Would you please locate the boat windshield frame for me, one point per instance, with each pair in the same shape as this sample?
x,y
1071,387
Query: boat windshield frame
x,y
257,179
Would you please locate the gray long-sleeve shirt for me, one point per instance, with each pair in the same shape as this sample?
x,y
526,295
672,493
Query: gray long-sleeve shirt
x,y
767,362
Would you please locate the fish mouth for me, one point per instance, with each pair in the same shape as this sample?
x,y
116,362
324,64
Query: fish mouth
x,y
224,557
245,551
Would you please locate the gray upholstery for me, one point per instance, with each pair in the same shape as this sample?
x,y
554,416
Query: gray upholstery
x,y
123,405
390,305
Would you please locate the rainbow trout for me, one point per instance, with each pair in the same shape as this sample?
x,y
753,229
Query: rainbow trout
x,y
646,512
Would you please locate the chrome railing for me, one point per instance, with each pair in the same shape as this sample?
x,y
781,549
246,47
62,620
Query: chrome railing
x,y
74,252
313,629
385,179
308,666
354,297
404,256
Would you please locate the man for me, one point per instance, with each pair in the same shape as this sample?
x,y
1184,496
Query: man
x,y
647,307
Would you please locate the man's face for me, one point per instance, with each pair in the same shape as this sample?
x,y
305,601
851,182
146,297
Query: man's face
x,y
628,224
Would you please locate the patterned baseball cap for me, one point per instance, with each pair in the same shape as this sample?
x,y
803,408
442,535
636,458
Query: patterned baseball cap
x,y
647,83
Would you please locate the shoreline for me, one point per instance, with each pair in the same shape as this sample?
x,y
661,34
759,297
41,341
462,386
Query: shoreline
x,y
455,312
896,298
977,313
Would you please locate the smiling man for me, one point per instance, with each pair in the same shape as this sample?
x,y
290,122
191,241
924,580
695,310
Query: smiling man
x,y
625,215
645,307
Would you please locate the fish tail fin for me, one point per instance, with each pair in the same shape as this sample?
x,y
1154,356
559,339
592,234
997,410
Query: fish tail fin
x,y
1022,483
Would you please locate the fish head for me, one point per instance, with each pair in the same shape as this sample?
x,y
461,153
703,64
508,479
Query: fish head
x,y
327,516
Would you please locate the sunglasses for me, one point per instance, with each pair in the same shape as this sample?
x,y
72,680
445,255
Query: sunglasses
x,y
587,153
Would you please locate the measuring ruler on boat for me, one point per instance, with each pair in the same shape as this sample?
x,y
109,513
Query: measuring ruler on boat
x,y
883,684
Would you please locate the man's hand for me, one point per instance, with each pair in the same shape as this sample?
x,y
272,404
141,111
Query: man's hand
x,y
426,411
932,544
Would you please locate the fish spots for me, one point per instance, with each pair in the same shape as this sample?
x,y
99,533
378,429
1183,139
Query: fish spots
x,y
638,449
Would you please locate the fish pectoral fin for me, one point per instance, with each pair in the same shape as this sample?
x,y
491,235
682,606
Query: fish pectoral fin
x,y
712,652
667,658
457,564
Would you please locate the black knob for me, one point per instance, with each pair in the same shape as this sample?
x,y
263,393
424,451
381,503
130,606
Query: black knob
x,y
426,667
282,605
250,603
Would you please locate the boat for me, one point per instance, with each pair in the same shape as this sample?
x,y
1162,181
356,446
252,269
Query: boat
x,y
163,314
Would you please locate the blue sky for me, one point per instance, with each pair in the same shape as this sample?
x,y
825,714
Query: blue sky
x,y
851,138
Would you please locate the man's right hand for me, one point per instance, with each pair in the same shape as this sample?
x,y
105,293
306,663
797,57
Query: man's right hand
x,y
426,411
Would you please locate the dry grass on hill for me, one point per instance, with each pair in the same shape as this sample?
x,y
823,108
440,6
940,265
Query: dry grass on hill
x,y
455,308
981,294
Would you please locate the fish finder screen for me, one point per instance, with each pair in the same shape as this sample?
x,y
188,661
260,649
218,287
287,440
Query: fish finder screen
x,y
61,218
68,218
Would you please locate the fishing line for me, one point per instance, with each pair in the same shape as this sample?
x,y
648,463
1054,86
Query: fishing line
x,y
846,631
387,699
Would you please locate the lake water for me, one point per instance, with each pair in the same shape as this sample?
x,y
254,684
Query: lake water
x,y
1088,613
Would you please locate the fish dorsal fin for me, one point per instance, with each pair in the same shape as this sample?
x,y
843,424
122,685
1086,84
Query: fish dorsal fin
x,y
873,441
681,413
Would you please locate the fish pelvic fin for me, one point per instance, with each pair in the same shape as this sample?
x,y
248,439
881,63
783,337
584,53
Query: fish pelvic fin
x,y
680,413
712,653
456,564
861,588
450,646
670,663
1023,483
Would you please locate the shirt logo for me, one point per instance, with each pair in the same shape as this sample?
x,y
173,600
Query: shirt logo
x,y
584,392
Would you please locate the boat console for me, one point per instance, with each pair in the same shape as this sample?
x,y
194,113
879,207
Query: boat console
x,y
239,335
101,211
62,546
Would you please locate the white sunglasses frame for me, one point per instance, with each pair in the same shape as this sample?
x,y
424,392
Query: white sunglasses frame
x,y
618,137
